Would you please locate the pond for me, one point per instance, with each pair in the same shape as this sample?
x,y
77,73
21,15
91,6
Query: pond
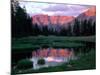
x,y
52,56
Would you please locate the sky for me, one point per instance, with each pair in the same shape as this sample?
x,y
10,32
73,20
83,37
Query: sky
x,y
35,8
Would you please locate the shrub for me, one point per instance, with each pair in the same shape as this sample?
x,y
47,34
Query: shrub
x,y
41,61
24,64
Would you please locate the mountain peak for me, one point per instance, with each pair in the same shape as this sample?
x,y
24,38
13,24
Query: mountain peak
x,y
89,14
91,11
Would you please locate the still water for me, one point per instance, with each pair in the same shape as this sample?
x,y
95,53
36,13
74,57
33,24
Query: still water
x,y
52,56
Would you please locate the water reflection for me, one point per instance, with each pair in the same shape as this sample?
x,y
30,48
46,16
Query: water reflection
x,y
52,59
52,52
52,56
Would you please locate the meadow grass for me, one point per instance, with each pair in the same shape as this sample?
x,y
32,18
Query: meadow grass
x,y
34,42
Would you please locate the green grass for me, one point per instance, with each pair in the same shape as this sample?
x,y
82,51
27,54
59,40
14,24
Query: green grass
x,y
34,42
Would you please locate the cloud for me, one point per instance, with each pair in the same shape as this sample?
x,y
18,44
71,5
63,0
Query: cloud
x,y
57,7
67,13
67,9
64,7
53,8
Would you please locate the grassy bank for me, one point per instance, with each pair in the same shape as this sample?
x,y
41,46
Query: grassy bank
x,y
34,42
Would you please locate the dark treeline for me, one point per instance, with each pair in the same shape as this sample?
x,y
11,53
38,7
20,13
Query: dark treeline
x,y
84,28
21,22
22,26
79,28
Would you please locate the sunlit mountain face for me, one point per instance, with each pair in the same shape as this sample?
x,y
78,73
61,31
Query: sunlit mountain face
x,y
91,11
56,14
89,14
40,19
54,20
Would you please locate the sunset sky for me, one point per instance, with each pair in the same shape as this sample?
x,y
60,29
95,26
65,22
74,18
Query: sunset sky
x,y
34,8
